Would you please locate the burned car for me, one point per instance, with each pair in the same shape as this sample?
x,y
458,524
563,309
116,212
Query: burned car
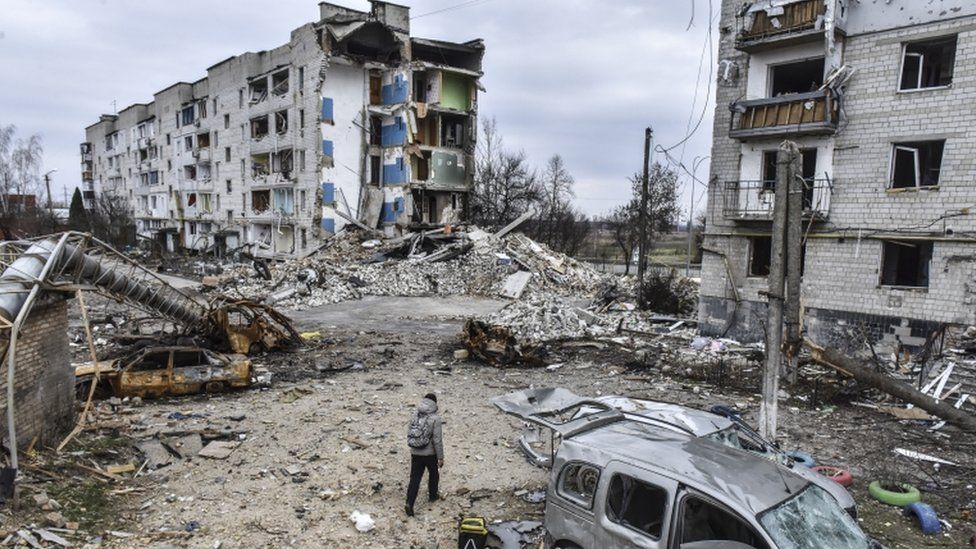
x,y
160,371
639,473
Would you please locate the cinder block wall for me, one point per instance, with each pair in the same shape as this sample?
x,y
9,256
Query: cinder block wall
x,y
44,380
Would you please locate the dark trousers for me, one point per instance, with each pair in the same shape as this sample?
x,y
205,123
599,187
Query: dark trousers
x,y
417,466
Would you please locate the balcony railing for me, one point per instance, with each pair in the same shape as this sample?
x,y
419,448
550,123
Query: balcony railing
x,y
813,113
764,25
755,200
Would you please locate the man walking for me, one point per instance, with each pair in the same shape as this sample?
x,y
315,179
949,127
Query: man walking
x,y
426,450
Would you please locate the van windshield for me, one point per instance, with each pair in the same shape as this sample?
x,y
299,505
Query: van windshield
x,y
812,520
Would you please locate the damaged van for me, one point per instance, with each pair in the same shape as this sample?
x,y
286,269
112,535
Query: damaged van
x,y
638,473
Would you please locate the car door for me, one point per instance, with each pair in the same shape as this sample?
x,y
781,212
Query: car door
x,y
570,504
633,507
146,375
702,522
191,371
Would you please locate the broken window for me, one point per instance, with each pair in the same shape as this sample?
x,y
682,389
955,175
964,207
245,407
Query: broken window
x,y
928,64
916,164
700,520
190,172
259,127
796,77
769,169
420,86
226,154
284,201
260,165
191,199
258,90
203,140
760,253
188,143
230,186
206,202
422,167
808,171
226,121
578,481
279,82
906,264
375,89
283,162
375,130
281,121
260,201
150,362
636,505
452,131
154,178
187,115
375,169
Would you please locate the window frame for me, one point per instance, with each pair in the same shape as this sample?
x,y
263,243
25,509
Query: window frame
x,y
752,253
921,64
572,498
618,522
678,515
881,266
919,175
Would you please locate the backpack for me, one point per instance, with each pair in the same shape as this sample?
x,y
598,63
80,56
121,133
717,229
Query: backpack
x,y
420,432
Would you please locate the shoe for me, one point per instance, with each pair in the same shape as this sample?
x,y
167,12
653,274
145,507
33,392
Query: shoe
x,y
434,498
408,510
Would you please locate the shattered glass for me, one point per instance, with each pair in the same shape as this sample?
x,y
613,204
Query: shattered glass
x,y
812,520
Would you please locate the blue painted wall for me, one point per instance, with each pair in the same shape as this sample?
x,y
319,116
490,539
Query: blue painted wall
x,y
395,134
328,193
395,174
328,223
397,92
327,148
392,209
327,110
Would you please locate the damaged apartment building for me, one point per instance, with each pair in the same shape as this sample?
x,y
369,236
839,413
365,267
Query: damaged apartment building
x,y
351,121
878,95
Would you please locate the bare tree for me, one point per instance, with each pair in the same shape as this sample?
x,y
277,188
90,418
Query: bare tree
x,y
662,211
505,186
20,166
111,220
555,206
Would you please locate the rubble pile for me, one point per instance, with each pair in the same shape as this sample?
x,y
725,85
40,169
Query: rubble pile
x,y
467,263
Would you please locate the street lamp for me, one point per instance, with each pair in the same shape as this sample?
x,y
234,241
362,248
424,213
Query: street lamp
x,y
50,204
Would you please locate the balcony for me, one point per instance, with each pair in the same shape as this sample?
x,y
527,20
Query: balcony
x,y
755,200
201,154
813,113
763,26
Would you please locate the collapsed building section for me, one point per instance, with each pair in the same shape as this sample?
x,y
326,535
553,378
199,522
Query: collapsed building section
x,y
351,121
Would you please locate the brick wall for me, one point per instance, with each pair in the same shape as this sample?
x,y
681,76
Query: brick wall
x,y
843,256
44,380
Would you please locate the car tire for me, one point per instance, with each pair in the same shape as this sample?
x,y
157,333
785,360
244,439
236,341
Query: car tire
x,y
905,495
802,458
213,387
928,520
836,474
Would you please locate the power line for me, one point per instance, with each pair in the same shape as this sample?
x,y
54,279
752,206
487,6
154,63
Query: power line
x,y
449,8
708,93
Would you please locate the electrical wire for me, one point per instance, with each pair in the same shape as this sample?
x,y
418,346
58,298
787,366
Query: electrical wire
x,y
449,8
708,93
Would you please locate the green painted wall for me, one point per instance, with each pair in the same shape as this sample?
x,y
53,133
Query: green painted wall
x,y
455,91
447,168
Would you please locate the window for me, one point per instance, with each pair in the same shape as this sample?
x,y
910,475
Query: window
x,y
226,121
215,105
258,90
578,481
226,154
203,141
636,505
375,169
928,64
760,253
188,143
916,164
229,186
259,127
301,79
281,122
301,160
240,100
700,520
301,118
279,82
187,115
796,77
168,141
906,264
301,202
260,200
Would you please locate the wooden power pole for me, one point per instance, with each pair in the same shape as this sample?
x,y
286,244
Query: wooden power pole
x,y
794,261
786,172
642,218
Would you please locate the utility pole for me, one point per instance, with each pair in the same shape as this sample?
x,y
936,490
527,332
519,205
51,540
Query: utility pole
x,y
785,174
691,215
642,218
50,203
794,257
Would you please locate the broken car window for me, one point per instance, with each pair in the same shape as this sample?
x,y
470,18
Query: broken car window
x,y
151,361
636,504
928,64
702,521
578,481
812,520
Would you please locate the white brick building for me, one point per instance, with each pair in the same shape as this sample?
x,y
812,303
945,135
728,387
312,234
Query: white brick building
x,y
889,157
351,119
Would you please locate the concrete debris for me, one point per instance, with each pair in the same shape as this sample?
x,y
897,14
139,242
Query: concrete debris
x,y
364,523
218,449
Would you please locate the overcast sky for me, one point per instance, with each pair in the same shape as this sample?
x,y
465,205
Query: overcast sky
x,y
581,78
